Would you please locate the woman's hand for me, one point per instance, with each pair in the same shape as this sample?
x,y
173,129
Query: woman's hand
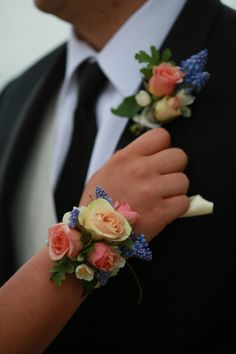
x,y
147,174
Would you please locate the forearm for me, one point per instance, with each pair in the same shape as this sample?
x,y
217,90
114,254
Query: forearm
x,y
34,309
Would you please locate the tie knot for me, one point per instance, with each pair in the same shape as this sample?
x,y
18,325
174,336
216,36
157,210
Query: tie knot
x,y
91,81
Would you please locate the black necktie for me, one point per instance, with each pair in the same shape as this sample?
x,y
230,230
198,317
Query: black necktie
x,y
72,179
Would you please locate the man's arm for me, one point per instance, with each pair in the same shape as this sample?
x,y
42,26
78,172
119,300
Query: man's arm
x,y
148,175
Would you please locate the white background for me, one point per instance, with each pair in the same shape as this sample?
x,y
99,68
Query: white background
x,y
27,34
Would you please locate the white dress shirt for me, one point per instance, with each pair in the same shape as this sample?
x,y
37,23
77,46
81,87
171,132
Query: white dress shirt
x,y
148,26
34,208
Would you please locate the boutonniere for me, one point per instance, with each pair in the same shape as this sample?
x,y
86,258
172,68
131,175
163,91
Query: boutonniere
x,y
167,89
167,92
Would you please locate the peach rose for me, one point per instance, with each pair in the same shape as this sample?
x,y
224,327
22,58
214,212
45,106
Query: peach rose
x,y
103,257
164,79
125,210
167,109
63,241
104,222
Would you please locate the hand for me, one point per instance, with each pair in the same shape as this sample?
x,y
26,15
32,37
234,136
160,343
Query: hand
x,y
147,174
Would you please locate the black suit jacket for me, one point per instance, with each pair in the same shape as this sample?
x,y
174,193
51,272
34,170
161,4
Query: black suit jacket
x,y
189,293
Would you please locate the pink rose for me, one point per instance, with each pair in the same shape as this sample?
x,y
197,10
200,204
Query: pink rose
x,y
125,210
164,79
63,241
103,257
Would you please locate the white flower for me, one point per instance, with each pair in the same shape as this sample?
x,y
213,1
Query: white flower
x,y
66,217
186,99
198,206
143,98
84,272
146,118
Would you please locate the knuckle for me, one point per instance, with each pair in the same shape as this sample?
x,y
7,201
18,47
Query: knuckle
x,y
121,156
146,191
139,173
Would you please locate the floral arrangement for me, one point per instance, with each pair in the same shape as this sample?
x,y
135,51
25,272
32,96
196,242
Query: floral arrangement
x,y
94,242
167,89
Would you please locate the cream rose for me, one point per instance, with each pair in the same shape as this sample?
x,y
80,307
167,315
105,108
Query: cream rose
x,y
167,109
104,222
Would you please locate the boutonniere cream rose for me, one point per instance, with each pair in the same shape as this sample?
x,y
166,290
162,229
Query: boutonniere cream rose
x,y
93,242
168,91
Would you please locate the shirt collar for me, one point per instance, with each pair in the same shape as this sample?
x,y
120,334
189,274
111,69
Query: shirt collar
x,y
148,26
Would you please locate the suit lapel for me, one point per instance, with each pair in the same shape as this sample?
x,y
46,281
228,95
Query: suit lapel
x,y
27,120
190,31
187,36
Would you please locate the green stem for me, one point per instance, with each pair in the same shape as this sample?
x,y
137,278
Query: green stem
x,y
137,282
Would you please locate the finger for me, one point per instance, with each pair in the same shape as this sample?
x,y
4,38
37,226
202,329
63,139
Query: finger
x,y
150,142
170,160
176,206
173,184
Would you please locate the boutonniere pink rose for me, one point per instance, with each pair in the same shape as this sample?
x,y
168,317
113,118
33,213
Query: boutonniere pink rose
x,y
168,89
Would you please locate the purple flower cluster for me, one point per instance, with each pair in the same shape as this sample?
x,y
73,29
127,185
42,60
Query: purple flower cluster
x,y
73,219
193,68
139,248
102,276
100,193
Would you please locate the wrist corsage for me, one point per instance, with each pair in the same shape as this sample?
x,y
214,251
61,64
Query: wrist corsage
x,y
94,242
167,89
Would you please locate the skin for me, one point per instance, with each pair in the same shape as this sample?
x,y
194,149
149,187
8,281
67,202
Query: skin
x,y
161,198
87,16
161,192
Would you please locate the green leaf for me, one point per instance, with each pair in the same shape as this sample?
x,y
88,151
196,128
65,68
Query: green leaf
x,y
153,59
86,237
137,129
155,56
58,278
143,57
147,73
166,55
128,108
61,268
89,248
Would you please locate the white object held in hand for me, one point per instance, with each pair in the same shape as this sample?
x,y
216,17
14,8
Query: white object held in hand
x,y
198,206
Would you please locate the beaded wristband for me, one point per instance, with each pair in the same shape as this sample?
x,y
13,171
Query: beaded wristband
x,y
94,242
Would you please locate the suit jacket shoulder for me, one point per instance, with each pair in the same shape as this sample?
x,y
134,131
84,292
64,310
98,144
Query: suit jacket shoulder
x,y
15,95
